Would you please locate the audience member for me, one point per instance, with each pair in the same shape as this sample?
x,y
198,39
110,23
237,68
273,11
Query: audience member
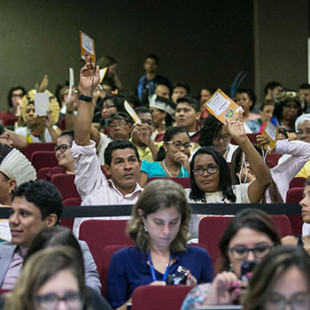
x,y
172,158
159,227
122,162
266,115
35,206
147,83
179,90
304,90
280,281
205,94
162,91
271,89
38,128
248,238
214,133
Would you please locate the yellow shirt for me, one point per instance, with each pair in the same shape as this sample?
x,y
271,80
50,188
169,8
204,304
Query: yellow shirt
x,y
146,154
304,171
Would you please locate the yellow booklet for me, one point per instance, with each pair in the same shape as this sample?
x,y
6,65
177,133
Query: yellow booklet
x,y
271,132
87,48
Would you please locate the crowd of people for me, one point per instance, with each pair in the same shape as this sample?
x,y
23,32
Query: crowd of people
x,y
114,154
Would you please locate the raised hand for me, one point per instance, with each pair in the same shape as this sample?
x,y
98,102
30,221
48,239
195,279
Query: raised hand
x,y
235,127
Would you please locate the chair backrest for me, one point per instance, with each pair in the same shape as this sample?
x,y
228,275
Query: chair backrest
x,y
65,184
103,266
298,182
211,229
41,175
101,233
152,297
284,224
43,146
62,124
272,159
185,182
294,195
43,159
70,202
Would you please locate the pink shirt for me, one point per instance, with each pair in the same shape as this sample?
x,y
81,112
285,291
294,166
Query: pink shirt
x,y
92,184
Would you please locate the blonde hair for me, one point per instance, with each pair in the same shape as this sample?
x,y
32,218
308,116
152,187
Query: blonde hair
x,y
158,195
38,270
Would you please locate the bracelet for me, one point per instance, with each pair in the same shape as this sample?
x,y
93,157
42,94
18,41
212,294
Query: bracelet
x,y
86,98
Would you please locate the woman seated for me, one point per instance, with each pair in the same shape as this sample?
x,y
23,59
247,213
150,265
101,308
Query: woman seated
x,y
51,278
63,155
249,237
38,128
214,133
280,281
159,227
172,158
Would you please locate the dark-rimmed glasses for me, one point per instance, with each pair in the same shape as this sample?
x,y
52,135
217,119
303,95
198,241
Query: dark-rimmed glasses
x,y
62,148
241,251
211,169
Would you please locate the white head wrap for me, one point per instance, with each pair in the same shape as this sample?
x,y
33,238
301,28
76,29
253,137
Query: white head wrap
x,y
16,166
161,105
301,119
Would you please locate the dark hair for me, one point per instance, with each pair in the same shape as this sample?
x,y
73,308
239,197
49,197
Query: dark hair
x,y
51,237
304,86
153,57
44,195
270,269
266,103
139,110
191,102
122,116
69,134
248,218
118,145
271,85
251,95
11,92
210,130
117,100
169,134
106,61
181,84
225,184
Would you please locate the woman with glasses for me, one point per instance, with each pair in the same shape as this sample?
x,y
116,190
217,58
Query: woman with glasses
x,y
281,281
214,133
172,158
249,236
63,155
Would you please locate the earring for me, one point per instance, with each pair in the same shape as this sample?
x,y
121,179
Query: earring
x,y
145,227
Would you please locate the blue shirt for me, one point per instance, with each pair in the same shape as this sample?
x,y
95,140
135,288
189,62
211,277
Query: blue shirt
x,y
154,169
129,269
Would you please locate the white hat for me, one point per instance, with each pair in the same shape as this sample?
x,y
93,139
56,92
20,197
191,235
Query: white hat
x,y
16,166
301,119
161,104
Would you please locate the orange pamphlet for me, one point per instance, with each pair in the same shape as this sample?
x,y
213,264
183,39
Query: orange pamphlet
x,y
221,106
87,47
271,132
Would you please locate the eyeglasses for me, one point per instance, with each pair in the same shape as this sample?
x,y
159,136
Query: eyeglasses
x,y
241,251
298,301
211,169
62,148
178,145
289,106
224,137
149,122
300,133
50,301
119,123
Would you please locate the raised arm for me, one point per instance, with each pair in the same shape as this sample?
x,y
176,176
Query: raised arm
x,y
89,78
262,173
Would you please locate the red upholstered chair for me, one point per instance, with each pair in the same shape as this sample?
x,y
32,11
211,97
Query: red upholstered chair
x,y
185,182
43,159
65,184
211,229
44,146
159,137
41,175
101,233
153,297
70,202
284,224
272,159
296,223
62,124
251,136
294,195
298,182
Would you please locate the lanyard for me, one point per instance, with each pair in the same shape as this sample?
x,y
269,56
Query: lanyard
x,y
153,270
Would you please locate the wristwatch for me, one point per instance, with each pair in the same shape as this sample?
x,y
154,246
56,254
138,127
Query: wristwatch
x,y
86,98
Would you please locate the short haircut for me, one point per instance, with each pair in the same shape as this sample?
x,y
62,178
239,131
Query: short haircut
x,y
181,84
44,195
271,85
211,129
152,56
248,218
69,134
159,195
266,103
225,184
121,116
141,110
191,102
118,145
304,86
11,92
251,95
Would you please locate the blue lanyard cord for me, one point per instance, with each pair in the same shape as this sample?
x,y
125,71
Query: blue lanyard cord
x,y
153,270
